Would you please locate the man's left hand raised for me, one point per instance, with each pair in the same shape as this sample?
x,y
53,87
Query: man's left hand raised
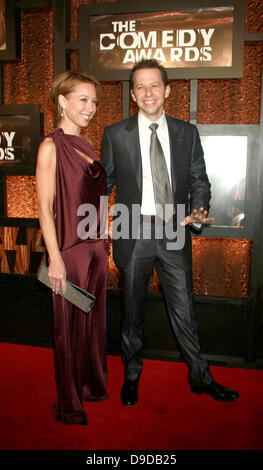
x,y
197,217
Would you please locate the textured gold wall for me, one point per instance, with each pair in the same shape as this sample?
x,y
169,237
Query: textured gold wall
x,y
235,101
221,267
28,80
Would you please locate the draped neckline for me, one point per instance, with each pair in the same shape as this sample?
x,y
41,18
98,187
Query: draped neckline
x,y
79,144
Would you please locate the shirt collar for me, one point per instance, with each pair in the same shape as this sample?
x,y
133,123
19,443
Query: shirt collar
x,y
145,122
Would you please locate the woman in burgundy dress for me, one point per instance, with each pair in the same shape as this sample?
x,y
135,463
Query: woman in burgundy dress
x,y
68,179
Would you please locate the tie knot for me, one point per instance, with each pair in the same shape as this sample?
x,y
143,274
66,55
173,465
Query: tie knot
x,y
153,127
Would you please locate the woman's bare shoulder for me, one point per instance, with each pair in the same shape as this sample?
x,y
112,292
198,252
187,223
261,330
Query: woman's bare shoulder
x,y
47,144
47,148
46,156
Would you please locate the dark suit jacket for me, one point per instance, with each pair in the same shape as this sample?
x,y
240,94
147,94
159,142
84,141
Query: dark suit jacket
x,y
121,158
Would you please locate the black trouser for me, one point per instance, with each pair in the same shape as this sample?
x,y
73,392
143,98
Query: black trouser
x,y
174,269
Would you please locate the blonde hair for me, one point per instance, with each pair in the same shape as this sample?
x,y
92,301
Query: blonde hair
x,y
64,84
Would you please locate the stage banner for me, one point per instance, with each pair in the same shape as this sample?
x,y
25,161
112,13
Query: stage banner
x,y
191,40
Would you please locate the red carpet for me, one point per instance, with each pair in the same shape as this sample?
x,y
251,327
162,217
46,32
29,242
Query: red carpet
x,y
167,417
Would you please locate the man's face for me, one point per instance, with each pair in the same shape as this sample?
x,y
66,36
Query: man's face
x,y
149,92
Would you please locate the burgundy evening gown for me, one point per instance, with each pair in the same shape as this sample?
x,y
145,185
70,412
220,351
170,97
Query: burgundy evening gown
x,y
79,339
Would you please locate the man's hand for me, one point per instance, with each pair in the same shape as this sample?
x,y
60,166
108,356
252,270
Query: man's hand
x,y
197,216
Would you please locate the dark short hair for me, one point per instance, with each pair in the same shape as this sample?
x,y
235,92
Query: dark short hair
x,y
149,64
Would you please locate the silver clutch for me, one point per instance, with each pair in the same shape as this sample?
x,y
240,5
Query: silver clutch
x,y
74,294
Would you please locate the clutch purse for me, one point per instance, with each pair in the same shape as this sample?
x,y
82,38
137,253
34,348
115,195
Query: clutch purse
x,y
74,294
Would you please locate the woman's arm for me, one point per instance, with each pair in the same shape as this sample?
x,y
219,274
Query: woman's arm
x,y
46,187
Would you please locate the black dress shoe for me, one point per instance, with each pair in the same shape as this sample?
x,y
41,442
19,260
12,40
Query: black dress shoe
x,y
217,391
129,392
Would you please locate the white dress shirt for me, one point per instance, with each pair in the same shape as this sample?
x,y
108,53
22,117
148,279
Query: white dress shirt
x,y
148,202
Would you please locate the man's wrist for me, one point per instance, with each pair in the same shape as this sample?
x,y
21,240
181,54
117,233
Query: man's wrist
x,y
196,225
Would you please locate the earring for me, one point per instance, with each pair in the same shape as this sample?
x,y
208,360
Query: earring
x,y
62,113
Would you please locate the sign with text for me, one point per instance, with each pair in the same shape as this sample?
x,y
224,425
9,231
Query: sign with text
x,y
8,46
190,42
19,138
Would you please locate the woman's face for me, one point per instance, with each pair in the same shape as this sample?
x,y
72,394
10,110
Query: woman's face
x,y
79,106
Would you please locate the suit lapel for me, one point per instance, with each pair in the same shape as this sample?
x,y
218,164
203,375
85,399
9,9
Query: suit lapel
x,y
133,148
175,136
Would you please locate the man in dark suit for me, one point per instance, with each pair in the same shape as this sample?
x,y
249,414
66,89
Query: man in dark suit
x,y
157,168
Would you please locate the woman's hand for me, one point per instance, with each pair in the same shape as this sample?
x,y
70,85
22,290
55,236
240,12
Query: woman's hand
x,y
57,275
